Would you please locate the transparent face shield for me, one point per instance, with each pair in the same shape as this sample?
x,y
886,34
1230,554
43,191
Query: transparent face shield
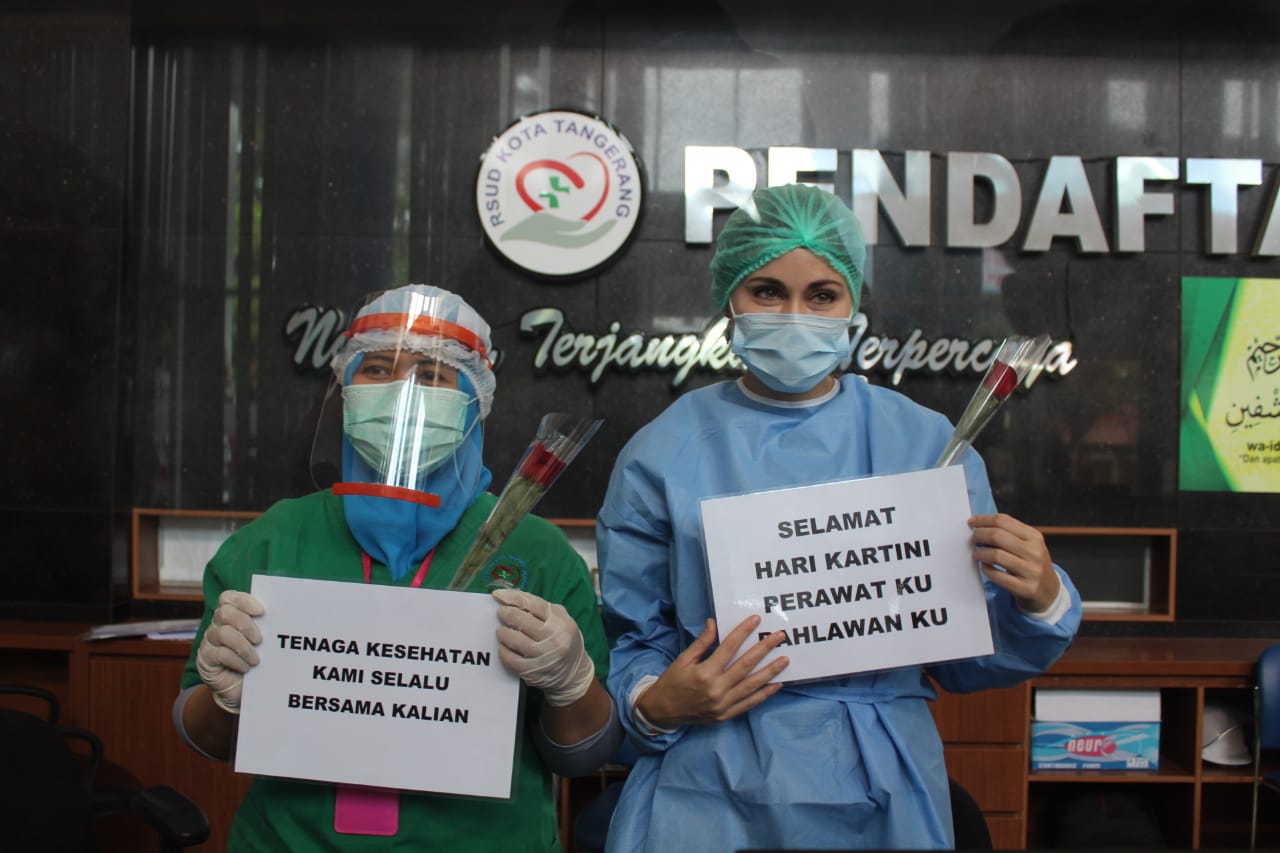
x,y
402,417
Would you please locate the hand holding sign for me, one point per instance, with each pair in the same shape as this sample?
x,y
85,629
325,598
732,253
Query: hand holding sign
x,y
1014,556
227,650
542,644
693,690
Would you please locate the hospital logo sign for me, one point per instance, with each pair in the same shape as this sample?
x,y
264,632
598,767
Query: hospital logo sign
x,y
559,193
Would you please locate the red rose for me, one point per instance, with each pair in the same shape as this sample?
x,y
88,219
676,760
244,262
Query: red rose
x,y
1001,379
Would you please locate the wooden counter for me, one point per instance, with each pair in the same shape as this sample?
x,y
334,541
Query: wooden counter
x,y
124,689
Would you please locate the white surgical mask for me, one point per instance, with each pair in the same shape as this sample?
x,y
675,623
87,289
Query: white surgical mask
x,y
791,353
402,429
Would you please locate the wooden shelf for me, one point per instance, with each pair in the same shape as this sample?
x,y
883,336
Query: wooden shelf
x,y
152,583
1138,561
1212,774
1142,558
150,580
1124,574
1201,805
1106,777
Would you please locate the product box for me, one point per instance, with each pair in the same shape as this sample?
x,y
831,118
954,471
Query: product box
x,y
1095,730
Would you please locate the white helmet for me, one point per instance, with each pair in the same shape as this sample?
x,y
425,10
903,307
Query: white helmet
x,y
1223,740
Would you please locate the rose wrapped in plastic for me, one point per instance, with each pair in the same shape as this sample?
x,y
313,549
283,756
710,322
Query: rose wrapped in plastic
x,y
1018,359
557,442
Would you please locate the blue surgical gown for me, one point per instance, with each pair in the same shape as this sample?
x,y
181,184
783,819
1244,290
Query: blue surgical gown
x,y
846,762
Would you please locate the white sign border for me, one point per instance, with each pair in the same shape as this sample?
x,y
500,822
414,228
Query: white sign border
x,y
734,525
474,758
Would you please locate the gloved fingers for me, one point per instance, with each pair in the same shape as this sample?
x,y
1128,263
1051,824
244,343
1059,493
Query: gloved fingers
x,y
534,671
231,645
542,644
525,622
230,621
243,601
511,660
228,700
519,643
541,670
237,610
227,649
575,685
539,607
225,683
224,657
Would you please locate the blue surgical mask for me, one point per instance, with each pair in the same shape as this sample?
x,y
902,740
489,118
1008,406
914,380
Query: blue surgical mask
x,y
791,353
404,430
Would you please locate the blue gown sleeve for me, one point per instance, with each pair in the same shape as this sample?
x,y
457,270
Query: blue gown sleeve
x,y
633,532
1024,646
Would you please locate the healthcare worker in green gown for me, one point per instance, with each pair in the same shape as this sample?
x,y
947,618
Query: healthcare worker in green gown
x,y
416,385
728,758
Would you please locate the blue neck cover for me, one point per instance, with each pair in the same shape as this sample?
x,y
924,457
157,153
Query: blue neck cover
x,y
399,534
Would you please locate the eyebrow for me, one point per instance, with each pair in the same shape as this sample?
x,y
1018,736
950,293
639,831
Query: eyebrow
x,y
402,355
765,279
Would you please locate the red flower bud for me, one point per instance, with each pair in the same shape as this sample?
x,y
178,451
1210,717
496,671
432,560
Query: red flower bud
x,y
1001,379
541,465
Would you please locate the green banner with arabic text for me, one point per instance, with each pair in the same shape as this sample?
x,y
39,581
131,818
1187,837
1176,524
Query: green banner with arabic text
x,y
1230,420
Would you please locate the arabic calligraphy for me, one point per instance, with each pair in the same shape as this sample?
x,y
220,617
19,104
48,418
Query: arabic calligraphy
x,y
1263,358
1247,415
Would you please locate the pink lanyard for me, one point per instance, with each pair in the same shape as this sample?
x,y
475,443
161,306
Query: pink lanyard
x,y
372,811
417,579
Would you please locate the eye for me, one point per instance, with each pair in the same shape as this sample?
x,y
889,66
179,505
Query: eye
x,y
435,373
826,296
766,291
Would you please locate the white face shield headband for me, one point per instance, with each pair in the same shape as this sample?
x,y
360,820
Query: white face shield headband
x,y
402,443
415,383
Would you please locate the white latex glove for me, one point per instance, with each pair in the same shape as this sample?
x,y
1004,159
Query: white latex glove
x,y
227,651
541,643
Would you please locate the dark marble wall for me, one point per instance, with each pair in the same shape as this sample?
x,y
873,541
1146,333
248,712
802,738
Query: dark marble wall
x,y
182,182
64,375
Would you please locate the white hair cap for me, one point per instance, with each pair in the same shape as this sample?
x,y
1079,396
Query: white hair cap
x,y
428,320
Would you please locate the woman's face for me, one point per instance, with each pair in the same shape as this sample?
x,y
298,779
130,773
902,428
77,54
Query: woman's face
x,y
395,365
799,282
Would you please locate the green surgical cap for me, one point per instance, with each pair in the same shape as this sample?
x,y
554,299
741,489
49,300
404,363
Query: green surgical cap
x,y
778,219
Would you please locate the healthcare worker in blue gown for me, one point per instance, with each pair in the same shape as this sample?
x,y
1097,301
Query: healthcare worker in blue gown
x,y
726,759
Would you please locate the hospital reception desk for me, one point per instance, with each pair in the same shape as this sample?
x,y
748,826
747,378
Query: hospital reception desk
x,y
123,689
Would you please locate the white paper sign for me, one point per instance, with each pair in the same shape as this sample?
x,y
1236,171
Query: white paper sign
x,y
381,686
861,575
